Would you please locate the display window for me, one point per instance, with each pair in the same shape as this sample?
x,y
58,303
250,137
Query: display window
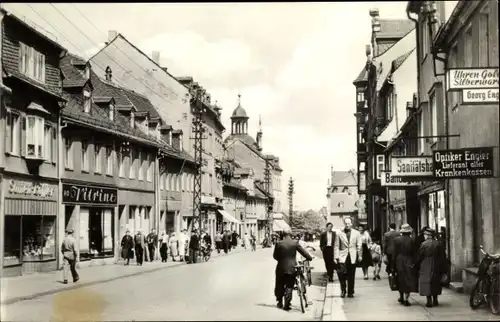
x,y
96,233
29,239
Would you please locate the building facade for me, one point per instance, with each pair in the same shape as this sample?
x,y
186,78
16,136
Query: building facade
x,y
31,101
456,43
343,198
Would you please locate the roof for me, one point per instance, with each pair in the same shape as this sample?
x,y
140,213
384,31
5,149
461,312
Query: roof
x,y
443,32
260,188
141,103
343,178
362,77
394,28
246,139
54,91
396,63
258,193
73,76
235,184
239,112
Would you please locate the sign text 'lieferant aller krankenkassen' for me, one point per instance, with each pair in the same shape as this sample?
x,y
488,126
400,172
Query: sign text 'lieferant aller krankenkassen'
x,y
464,163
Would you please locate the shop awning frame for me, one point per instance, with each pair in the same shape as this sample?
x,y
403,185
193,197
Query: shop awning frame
x,y
228,217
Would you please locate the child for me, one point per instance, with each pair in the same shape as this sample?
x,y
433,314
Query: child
x,y
376,252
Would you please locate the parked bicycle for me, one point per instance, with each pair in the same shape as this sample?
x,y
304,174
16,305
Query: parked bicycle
x,y
487,289
300,284
206,252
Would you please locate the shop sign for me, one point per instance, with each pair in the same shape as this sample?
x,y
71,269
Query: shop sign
x,y
477,96
389,181
463,163
33,189
472,78
79,194
418,166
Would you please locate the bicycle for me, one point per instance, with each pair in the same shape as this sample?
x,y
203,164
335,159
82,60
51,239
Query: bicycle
x,y
300,285
206,252
487,289
308,268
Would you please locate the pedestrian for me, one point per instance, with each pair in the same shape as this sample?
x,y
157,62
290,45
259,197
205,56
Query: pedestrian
x,y
194,247
366,242
164,247
388,246
152,240
421,238
182,245
226,238
70,257
218,242
285,253
431,262
376,256
253,241
140,244
327,245
348,253
403,261
174,246
234,239
127,245
207,239
246,241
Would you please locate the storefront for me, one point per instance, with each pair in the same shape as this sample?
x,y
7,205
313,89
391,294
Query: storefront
x,y
228,221
136,211
90,211
251,226
170,208
209,207
30,225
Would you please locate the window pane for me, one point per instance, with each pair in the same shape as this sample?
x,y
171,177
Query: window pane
x,y
30,136
48,142
15,134
12,244
38,237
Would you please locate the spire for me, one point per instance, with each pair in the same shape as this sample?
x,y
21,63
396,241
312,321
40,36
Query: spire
x,y
331,173
260,123
239,99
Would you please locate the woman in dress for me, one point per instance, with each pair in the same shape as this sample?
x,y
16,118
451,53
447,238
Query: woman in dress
x,y
127,247
174,246
183,243
366,240
431,261
403,261
164,247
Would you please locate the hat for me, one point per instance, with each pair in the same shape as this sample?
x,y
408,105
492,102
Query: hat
x,y
405,228
429,231
70,230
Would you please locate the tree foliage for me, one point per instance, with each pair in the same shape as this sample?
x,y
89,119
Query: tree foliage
x,y
307,221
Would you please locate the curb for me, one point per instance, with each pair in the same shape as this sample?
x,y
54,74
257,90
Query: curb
x,y
92,283
333,309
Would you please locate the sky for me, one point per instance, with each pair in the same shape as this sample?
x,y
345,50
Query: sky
x,y
293,63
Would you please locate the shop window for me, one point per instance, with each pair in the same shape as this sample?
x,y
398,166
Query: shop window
x,y
38,238
85,156
109,160
35,137
68,153
31,63
12,241
97,229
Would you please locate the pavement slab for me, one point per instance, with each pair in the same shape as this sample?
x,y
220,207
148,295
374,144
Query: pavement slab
x,y
234,287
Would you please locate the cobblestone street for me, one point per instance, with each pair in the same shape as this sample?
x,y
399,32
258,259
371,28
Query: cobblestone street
x,y
234,287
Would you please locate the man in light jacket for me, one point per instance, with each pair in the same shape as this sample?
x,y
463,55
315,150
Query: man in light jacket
x,y
347,252
68,249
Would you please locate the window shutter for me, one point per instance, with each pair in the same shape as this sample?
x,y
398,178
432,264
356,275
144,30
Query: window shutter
x,y
23,135
55,146
8,132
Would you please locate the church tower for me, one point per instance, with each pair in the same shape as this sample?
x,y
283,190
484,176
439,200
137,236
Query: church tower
x,y
259,135
239,120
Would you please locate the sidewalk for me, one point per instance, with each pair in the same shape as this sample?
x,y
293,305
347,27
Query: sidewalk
x,y
374,301
19,288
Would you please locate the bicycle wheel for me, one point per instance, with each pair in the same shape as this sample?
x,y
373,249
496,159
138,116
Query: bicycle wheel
x,y
494,296
299,293
476,298
206,257
304,291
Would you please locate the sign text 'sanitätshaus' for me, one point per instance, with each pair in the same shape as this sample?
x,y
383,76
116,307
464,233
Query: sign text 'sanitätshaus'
x,y
464,163
473,78
411,167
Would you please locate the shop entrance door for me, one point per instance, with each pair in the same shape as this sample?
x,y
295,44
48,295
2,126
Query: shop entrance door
x,y
95,231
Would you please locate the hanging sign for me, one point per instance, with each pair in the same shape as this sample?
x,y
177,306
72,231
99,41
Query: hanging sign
x,y
478,96
472,78
463,163
417,166
388,180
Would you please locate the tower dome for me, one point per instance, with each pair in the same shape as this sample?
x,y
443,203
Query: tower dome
x,y
239,112
239,120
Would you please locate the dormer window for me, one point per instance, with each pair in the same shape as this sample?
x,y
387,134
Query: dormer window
x,y
31,63
111,112
109,74
87,101
132,119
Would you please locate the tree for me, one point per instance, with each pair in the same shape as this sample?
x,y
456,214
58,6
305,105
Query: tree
x,y
307,221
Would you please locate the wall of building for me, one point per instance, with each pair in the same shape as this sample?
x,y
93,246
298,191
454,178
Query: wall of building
x,y
247,158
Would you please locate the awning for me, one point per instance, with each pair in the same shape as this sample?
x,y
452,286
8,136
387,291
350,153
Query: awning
x,y
280,225
228,217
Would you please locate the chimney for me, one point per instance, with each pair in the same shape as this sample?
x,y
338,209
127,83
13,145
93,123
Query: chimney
x,y
374,13
112,35
155,56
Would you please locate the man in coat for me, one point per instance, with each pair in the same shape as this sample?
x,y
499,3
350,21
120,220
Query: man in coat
x,y
326,244
194,247
388,245
226,239
68,249
127,247
348,253
152,240
140,244
285,253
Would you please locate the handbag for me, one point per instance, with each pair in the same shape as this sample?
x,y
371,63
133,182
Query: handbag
x,y
445,279
393,282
